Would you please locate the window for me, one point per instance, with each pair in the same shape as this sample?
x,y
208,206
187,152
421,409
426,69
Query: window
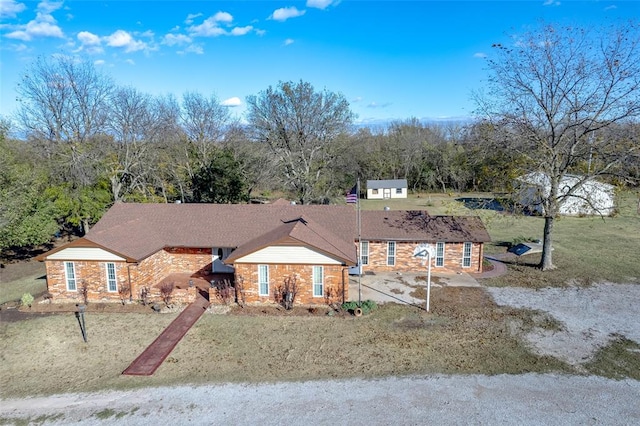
x,y
318,281
466,255
364,252
391,253
111,277
439,254
399,191
70,273
374,191
263,280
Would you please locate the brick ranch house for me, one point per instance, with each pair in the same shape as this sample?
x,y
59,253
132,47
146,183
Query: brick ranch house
x,y
137,248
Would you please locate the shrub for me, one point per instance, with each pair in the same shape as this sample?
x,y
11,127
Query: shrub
x,y
165,290
367,306
27,299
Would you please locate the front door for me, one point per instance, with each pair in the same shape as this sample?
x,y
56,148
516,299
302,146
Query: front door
x,y
386,193
217,255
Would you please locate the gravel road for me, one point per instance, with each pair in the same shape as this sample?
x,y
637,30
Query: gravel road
x,y
529,399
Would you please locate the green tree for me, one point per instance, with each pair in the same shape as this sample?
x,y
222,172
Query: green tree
x,y
220,181
555,89
27,215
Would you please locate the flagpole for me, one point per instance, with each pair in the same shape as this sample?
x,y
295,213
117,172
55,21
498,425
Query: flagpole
x,y
359,243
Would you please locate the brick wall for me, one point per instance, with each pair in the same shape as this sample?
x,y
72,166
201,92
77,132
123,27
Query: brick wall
x,y
91,274
147,273
406,262
335,282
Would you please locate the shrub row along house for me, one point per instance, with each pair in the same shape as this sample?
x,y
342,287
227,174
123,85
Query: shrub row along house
x,y
139,251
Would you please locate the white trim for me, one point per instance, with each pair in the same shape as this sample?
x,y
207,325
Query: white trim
x,y
109,280
466,257
364,255
391,256
264,268
316,282
68,279
85,253
288,255
439,258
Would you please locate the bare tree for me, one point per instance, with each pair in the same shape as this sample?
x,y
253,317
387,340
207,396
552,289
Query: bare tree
x,y
130,123
298,123
62,100
204,121
555,88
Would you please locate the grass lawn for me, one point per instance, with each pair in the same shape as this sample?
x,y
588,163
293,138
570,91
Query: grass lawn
x,y
465,333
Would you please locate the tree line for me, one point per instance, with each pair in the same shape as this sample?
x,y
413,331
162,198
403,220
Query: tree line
x,y
84,143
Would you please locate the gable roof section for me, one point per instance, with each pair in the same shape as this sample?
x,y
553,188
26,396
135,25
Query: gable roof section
x,y
139,230
386,183
300,231
82,243
414,225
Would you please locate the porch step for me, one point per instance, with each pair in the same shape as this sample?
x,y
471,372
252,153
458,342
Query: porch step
x,y
149,360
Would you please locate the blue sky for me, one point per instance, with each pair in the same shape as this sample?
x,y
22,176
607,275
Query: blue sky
x,y
392,60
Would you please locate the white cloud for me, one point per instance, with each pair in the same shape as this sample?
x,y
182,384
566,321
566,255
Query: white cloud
x,y
210,27
36,28
10,8
194,48
123,39
357,99
377,105
289,41
191,17
130,62
88,39
232,102
551,3
176,39
321,4
44,24
46,7
99,62
285,13
89,42
240,31
480,55
223,17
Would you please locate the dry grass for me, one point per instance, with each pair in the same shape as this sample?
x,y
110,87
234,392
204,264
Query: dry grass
x,y
466,333
21,277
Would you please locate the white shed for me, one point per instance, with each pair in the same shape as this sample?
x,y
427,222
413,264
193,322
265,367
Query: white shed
x,y
591,198
385,189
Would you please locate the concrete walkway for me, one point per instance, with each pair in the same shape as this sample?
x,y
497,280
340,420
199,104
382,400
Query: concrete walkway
x,y
149,360
397,287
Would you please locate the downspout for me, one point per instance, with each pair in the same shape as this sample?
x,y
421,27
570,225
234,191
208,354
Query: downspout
x,y
129,278
343,286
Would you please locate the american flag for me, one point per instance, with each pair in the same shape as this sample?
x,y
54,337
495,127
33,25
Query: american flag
x,y
352,196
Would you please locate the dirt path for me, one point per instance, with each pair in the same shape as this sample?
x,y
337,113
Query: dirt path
x,y
523,399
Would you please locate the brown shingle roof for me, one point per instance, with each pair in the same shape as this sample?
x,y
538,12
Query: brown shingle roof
x,y
301,231
139,230
414,225
136,231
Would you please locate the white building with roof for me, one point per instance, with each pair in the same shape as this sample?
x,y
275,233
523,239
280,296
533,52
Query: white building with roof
x,y
386,189
589,198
